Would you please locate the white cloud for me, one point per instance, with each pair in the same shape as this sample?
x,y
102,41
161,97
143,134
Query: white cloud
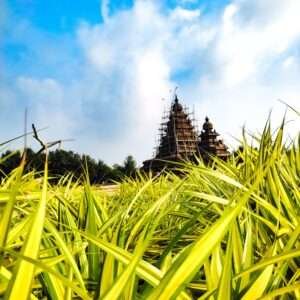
x,y
246,46
133,61
182,14
104,9
187,1
290,62
234,68
47,105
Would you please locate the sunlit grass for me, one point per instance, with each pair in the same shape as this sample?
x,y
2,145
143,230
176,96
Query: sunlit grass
x,y
225,231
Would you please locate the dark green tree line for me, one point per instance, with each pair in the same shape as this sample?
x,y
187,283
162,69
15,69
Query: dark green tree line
x,y
63,162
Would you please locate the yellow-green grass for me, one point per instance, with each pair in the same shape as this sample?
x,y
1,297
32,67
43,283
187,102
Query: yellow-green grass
x,y
230,230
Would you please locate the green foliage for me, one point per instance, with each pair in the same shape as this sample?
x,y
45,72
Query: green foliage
x,y
230,230
61,163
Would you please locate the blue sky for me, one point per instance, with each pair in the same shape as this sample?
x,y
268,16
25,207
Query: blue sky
x,y
98,71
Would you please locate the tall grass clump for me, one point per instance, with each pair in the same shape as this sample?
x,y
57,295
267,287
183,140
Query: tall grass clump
x,y
228,230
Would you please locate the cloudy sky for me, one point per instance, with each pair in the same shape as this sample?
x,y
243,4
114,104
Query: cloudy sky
x,y
103,72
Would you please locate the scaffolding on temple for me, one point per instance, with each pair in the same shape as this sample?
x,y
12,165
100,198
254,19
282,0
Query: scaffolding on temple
x,y
179,140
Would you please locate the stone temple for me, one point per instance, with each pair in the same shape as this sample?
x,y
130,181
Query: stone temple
x,y
179,141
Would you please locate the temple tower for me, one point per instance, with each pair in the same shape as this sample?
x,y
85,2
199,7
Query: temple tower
x,y
209,144
178,139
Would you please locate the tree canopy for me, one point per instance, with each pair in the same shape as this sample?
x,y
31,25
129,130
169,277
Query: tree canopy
x,y
63,162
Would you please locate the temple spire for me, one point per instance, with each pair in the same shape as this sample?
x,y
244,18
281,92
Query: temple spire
x,y
179,140
176,98
209,144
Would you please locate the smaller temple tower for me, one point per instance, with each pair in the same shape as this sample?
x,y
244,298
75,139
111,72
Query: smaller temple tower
x,y
209,144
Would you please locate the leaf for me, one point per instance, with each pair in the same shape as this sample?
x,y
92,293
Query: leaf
x,y
258,287
7,214
224,290
187,265
20,285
